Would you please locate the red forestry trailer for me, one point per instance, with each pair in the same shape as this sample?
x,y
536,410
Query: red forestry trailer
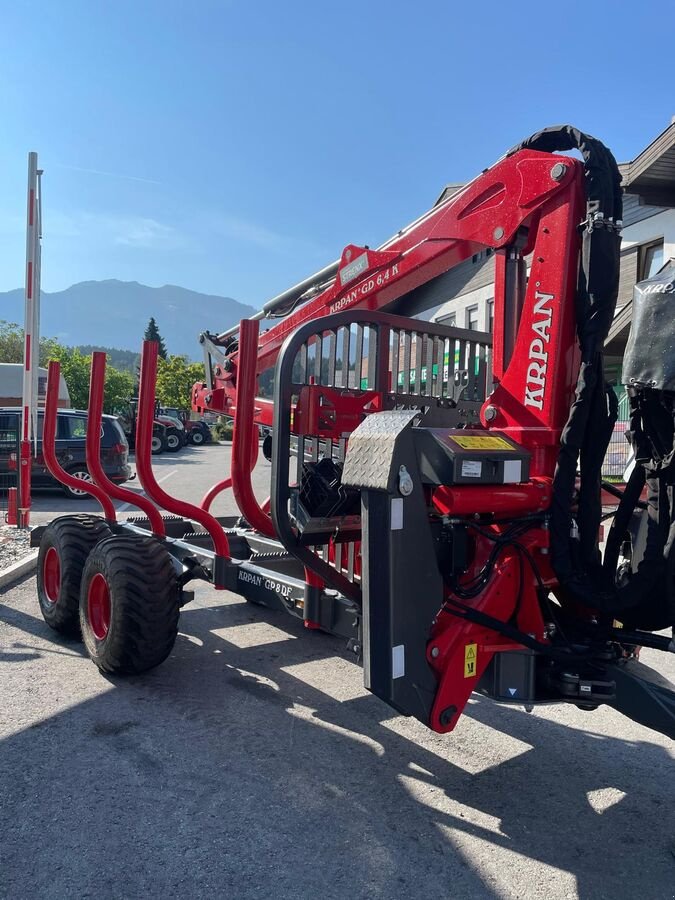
x,y
435,494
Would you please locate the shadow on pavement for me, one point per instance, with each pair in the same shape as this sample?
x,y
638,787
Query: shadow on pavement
x,y
221,773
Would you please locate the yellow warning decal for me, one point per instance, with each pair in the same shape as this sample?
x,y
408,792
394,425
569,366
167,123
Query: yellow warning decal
x,y
470,654
480,442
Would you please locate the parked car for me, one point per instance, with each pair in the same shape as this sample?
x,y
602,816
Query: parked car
x,y
71,431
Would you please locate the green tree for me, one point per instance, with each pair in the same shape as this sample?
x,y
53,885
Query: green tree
x,y
124,360
11,345
11,342
49,347
75,368
175,377
119,387
152,334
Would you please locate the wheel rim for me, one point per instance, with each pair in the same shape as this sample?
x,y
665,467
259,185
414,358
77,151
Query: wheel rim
x,y
197,437
156,444
98,606
83,476
51,575
172,441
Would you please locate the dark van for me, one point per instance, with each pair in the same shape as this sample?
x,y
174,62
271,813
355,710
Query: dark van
x,y
71,431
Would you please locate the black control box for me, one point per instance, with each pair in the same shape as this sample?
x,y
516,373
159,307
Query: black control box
x,y
470,456
510,677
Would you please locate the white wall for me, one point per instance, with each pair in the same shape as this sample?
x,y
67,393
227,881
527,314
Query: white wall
x,y
460,305
661,225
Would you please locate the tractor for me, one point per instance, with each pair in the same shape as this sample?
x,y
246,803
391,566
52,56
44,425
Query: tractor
x,y
166,434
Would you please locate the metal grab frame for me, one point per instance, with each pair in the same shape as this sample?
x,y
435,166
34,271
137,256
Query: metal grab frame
x,y
146,412
93,449
49,447
438,390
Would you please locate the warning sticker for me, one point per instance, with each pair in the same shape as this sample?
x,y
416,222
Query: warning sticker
x,y
470,654
480,442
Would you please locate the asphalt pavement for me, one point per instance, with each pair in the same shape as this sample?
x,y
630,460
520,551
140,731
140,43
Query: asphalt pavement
x,y
187,475
253,764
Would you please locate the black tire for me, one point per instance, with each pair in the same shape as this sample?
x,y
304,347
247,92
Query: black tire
x,y
66,543
157,445
197,437
173,441
138,576
267,447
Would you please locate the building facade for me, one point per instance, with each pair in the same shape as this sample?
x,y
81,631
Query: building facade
x,y
648,242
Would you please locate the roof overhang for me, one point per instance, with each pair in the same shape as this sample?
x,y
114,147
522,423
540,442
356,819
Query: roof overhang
x,y
651,175
449,191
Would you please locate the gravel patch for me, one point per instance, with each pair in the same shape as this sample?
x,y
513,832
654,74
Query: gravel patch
x,y
14,545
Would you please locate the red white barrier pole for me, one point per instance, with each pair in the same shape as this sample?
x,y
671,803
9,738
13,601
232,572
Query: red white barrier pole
x,y
31,356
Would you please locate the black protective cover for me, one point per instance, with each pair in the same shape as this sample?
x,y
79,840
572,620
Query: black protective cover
x,y
649,360
591,419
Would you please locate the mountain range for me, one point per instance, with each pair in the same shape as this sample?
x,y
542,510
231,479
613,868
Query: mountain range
x,y
115,313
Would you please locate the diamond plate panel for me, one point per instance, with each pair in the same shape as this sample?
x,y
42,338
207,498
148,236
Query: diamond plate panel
x,y
371,449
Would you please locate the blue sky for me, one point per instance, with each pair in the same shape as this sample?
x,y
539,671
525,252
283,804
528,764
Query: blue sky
x,y
235,147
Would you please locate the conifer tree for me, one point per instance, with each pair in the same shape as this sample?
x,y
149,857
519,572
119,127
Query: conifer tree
x,y
152,334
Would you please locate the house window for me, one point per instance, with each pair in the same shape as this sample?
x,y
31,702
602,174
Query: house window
x,y
450,320
472,318
10,427
651,259
491,315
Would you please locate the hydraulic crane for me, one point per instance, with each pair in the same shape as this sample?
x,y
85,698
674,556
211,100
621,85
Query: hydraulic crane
x,y
435,492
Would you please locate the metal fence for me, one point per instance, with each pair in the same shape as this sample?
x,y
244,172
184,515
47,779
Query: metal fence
x,y
618,452
9,468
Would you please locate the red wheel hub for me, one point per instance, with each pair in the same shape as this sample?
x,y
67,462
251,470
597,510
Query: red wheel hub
x,y
98,606
51,575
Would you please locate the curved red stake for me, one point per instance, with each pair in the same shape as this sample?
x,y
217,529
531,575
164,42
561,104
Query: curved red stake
x,y
49,442
146,413
243,430
96,389
226,483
